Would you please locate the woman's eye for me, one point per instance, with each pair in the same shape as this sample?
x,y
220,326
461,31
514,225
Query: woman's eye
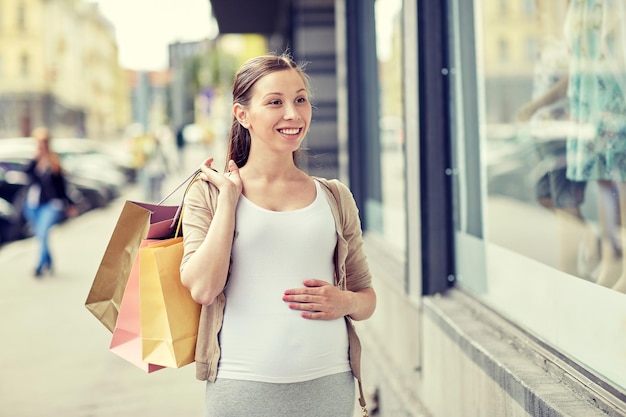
x,y
275,102
301,100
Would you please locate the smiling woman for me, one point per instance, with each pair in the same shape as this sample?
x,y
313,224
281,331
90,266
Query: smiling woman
x,y
296,271
144,28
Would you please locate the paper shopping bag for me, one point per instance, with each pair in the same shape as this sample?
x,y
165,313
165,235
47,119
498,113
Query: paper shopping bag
x,y
169,316
136,222
126,340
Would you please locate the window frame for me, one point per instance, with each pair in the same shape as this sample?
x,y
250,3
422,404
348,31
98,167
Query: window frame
x,y
435,148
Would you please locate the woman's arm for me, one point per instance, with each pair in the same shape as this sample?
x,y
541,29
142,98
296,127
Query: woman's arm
x,y
208,241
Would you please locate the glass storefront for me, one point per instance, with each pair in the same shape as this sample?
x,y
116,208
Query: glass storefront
x,y
550,91
387,213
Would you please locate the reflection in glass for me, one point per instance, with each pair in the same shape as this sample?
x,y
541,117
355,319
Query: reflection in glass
x,y
556,135
389,53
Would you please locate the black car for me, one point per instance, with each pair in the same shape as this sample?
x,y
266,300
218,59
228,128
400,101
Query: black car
x,y
11,225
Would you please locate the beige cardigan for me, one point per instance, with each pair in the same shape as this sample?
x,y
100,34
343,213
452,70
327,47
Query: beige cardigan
x,y
351,268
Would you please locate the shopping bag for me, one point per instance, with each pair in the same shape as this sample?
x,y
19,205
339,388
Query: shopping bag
x,y
126,340
169,316
137,221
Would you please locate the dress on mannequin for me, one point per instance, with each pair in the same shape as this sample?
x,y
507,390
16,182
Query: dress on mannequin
x,y
596,146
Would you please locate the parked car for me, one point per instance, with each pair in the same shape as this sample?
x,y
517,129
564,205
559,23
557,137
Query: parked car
x,y
11,227
93,178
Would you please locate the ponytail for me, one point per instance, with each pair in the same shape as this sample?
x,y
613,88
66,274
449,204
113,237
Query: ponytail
x,y
238,144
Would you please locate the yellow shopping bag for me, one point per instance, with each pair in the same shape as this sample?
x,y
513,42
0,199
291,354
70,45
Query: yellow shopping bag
x,y
169,316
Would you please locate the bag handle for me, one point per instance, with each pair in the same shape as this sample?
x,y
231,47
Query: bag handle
x,y
178,215
196,172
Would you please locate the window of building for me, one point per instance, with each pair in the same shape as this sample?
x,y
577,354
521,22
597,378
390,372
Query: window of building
x,y
503,7
21,16
387,212
549,162
529,8
24,65
503,50
532,49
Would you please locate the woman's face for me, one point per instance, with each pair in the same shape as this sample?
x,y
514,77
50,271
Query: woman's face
x,y
279,113
43,145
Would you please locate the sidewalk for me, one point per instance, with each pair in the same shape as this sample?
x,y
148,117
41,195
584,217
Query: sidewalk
x,y
54,357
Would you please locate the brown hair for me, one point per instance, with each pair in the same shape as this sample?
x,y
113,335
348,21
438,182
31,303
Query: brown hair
x,y
250,72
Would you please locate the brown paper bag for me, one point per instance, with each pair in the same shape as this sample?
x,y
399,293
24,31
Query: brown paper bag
x,y
169,316
137,221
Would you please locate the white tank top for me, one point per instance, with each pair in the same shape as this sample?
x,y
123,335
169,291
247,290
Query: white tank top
x,y
262,339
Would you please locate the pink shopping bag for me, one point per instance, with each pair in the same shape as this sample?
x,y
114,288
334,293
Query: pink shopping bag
x,y
126,341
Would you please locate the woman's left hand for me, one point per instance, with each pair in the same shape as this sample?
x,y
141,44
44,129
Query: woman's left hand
x,y
319,300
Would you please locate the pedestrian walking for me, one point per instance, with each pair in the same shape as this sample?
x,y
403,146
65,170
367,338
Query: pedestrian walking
x,y
275,258
47,200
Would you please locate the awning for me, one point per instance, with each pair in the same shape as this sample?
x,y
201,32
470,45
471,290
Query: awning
x,y
250,16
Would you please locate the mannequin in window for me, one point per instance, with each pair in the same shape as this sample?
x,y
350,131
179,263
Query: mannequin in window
x,y
547,116
596,146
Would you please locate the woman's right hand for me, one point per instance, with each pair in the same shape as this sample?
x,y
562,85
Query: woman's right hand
x,y
229,184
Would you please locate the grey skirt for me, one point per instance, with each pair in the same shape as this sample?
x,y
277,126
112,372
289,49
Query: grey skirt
x,y
329,396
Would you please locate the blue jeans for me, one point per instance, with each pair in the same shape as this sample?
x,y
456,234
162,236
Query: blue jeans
x,y
42,219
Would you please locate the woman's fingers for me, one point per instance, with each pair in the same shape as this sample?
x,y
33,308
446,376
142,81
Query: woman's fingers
x,y
233,169
229,182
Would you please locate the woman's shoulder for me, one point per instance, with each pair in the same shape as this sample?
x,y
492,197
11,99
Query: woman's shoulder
x,y
335,186
201,191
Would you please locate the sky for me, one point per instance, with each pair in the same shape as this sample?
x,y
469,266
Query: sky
x,y
144,28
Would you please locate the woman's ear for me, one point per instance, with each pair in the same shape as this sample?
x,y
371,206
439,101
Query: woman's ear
x,y
240,113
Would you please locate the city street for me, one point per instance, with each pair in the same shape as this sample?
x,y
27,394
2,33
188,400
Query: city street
x,y
55,359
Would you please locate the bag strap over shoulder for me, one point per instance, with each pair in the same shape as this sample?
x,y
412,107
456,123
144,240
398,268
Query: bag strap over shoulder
x,y
178,215
185,181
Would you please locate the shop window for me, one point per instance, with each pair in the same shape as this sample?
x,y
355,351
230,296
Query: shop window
x,y
387,213
552,154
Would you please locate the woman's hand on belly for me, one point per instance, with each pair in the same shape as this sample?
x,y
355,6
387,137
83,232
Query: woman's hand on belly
x,y
320,300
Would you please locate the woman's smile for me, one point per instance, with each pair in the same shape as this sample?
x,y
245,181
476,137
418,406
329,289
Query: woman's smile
x,y
291,132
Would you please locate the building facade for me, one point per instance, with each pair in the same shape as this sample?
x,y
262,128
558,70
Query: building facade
x,y
59,68
460,127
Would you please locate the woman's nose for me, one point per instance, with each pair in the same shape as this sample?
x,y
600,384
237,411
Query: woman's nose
x,y
291,112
